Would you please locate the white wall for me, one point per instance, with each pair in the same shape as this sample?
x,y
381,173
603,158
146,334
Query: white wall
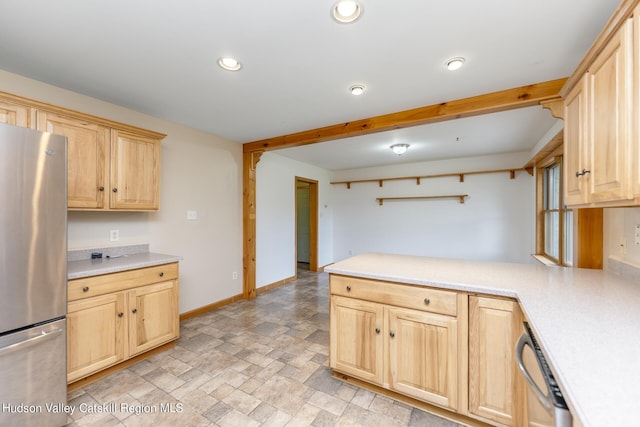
x,y
619,232
199,171
496,222
275,217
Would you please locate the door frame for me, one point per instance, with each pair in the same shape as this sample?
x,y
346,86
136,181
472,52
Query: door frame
x,y
313,222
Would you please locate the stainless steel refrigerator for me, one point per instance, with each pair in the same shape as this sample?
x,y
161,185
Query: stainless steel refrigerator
x,y
33,277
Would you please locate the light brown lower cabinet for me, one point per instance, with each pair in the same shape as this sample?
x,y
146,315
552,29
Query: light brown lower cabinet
x,y
407,350
114,317
423,356
448,349
356,338
495,385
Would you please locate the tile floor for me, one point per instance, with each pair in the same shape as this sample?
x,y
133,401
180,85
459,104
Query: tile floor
x,y
250,363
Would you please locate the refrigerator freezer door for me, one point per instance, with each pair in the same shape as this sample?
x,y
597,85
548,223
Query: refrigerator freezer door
x,y
34,373
33,227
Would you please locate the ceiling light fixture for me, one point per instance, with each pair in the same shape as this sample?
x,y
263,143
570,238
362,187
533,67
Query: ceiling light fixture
x,y
228,63
399,149
455,63
346,11
356,90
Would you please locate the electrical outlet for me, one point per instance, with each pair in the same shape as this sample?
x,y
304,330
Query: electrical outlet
x,y
234,275
114,235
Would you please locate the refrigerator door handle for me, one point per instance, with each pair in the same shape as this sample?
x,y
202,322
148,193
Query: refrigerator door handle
x,y
526,340
44,336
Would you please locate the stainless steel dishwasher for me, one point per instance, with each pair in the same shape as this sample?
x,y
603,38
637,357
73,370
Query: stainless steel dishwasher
x,y
544,408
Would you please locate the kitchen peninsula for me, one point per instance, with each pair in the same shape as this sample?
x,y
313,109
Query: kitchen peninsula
x,y
585,320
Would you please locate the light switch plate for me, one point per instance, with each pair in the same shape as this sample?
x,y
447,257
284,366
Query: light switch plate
x,y
192,215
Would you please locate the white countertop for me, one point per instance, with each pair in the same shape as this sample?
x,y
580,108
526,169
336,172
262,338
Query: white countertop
x,y
586,321
95,267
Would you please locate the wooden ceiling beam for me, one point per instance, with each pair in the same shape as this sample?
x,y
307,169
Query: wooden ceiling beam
x,y
524,96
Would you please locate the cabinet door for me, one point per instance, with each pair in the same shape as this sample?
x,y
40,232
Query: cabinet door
x,y
635,140
96,334
356,339
576,158
423,356
153,316
135,172
610,80
494,384
14,114
87,158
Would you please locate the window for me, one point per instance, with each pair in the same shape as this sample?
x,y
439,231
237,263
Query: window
x,y
555,225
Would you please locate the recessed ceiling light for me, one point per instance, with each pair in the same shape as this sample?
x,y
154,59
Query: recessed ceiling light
x,y
346,11
455,63
229,63
399,149
356,90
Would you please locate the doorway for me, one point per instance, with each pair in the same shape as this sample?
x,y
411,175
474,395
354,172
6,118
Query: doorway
x,y
306,224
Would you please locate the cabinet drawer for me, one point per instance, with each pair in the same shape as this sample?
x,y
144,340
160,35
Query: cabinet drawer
x,y
414,297
114,282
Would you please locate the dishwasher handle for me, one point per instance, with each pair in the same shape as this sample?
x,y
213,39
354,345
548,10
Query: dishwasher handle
x,y
524,340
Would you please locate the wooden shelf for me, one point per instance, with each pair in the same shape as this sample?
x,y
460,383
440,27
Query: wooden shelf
x,y
448,196
417,179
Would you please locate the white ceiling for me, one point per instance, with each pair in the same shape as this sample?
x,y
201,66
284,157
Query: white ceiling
x,y
159,57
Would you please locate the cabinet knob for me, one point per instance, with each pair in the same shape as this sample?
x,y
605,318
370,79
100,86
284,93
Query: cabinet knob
x,y
377,330
134,311
427,301
392,334
162,274
85,289
101,188
348,288
115,190
120,314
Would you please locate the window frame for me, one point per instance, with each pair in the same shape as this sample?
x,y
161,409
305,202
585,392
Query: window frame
x,y
555,158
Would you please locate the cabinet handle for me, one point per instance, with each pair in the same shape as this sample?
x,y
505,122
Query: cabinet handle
x,y
85,289
162,274
427,301
392,334
134,311
115,190
584,172
120,314
101,188
377,330
348,288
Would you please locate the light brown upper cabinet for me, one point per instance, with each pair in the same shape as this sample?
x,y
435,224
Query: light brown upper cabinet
x,y
635,117
135,171
87,158
108,168
598,128
15,114
110,165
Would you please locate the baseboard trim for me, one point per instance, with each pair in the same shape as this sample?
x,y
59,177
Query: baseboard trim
x,y
208,308
221,303
274,285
